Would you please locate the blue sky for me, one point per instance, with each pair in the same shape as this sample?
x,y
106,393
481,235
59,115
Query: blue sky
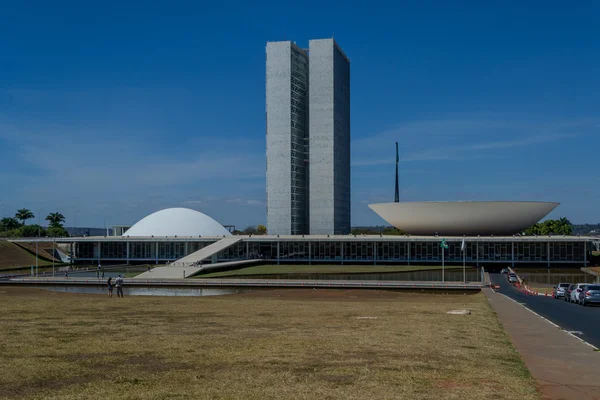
x,y
118,109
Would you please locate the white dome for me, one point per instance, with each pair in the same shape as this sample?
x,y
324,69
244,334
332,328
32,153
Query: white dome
x,y
177,222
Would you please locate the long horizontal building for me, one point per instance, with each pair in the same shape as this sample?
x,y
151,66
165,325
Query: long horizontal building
x,y
187,237
349,249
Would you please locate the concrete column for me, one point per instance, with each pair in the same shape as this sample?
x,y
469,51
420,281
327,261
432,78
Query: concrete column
x,y
247,250
278,252
99,251
585,247
513,255
408,251
548,253
72,252
374,253
477,253
342,244
185,249
309,254
127,253
156,251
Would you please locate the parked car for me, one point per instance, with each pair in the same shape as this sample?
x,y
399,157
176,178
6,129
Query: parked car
x,y
512,278
575,293
590,294
504,271
567,296
560,290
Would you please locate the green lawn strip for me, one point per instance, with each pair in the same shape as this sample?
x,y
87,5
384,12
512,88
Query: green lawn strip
x,y
44,265
17,257
40,254
271,269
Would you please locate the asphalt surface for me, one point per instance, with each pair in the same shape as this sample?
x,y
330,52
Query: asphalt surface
x,y
584,322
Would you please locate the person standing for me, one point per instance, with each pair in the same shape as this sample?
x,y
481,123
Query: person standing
x,y
110,286
119,286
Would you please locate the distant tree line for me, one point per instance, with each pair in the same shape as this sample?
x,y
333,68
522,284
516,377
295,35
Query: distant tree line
x,y
378,230
17,226
252,230
586,229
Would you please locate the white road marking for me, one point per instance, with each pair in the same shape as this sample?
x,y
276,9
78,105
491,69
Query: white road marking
x,y
550,322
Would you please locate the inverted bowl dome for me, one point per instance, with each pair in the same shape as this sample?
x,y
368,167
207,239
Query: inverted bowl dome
x,y
463,217
177,222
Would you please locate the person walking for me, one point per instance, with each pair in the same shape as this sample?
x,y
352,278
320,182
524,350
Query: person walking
x,y
119,286
110,286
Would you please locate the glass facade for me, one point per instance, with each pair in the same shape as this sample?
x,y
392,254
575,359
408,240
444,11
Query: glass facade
x,y
298,112
352,250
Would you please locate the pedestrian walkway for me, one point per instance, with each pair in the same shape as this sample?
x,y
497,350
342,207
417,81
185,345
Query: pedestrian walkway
x,y
564,366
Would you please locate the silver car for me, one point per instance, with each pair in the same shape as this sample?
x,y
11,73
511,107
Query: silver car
x,y
590,294
568,292
560,290
575,293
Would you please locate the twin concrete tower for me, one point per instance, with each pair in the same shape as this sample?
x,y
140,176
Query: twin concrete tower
x,y
308,139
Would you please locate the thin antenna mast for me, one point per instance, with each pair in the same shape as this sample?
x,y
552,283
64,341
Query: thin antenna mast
x,y
397,196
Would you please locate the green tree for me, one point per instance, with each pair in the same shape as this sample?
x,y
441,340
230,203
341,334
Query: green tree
x,y
28,231
23,215
251,230
7,224
56,219
565,227
261,230
560,226
57,231
393,232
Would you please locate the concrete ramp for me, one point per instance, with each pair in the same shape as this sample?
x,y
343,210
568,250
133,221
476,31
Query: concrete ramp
x,y
191,264
209,251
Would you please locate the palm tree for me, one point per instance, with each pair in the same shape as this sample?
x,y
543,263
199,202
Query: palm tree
x,y
23,215
56,219
565,226
8,224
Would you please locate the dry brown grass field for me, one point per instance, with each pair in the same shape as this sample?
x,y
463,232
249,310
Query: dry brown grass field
x,y
276,344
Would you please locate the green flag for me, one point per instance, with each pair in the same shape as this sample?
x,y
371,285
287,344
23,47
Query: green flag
x,y
444,245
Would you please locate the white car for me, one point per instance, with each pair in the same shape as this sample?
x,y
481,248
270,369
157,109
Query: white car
x,y
576,292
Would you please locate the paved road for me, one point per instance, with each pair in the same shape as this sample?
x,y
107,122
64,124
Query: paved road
x,y
569,316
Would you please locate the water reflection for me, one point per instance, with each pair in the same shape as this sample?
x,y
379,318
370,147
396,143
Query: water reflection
x,y
145,291
453,275
84,272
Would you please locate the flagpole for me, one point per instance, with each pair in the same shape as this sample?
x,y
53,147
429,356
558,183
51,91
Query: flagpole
x,y
443,250
464,264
